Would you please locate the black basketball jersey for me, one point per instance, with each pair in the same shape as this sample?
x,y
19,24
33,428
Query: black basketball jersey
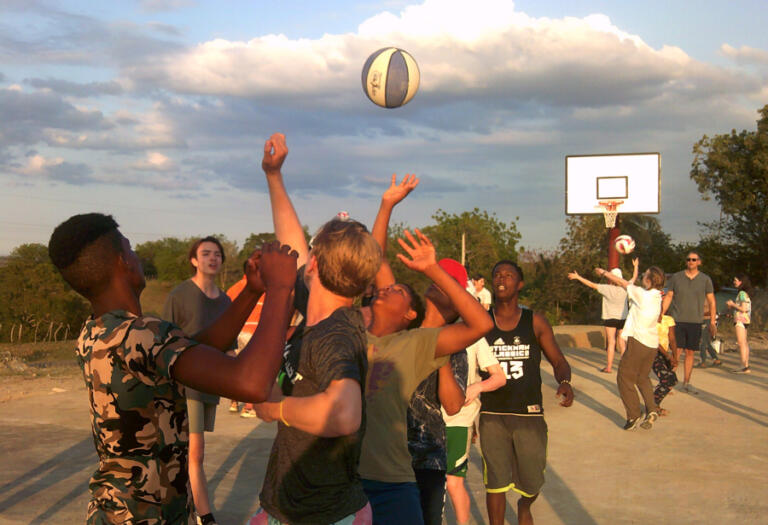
x,y
519,355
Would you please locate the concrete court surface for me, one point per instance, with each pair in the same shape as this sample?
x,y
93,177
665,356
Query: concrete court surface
x,y
705,463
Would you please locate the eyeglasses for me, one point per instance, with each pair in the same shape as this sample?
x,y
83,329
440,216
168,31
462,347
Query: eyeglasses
x,y
691,259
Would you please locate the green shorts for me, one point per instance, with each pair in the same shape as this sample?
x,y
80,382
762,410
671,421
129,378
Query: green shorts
x,y
514,452
457,444
202,416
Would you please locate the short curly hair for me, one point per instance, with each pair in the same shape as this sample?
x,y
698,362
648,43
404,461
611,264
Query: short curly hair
x,y
81,248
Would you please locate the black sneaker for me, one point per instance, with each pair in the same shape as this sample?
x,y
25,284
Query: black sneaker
x,y
649,420
632,424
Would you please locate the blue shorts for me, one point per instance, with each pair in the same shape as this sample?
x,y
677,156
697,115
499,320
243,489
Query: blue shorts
x,y
397,503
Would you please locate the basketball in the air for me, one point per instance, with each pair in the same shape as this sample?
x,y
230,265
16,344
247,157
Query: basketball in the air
x,y
624,244
390,77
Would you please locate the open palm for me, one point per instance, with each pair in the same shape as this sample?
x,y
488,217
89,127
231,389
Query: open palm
x,y
421,252
397,192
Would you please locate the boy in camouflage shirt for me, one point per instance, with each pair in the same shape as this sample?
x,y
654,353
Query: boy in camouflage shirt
x,y
135,367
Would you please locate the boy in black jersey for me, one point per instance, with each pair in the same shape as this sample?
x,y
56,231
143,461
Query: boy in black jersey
x,y
513,433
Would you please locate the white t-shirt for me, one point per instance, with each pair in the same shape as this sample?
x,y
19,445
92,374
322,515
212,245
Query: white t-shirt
x,y
479,357
614,301
644,310
484,296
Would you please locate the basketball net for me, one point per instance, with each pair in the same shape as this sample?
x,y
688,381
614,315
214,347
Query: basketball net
x,y
610,211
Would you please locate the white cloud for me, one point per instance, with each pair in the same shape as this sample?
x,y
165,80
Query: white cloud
x,y
37,165
487,52
155,161
745,54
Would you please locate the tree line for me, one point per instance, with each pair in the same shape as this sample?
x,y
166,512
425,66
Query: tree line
x,y
36,304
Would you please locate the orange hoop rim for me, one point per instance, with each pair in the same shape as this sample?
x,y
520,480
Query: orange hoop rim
x,y
610,211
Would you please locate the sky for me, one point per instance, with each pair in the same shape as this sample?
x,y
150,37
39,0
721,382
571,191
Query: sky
x,y
156,111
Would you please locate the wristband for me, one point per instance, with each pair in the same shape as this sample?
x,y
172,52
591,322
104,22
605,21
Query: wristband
x,y
281,414
568,381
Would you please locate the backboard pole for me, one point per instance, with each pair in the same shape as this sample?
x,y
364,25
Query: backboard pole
x,y
613,255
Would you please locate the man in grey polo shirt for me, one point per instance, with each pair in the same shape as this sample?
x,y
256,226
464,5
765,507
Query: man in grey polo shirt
x,y
686,292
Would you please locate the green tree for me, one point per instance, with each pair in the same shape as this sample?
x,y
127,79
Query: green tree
x,y
33,295
733,169
487,239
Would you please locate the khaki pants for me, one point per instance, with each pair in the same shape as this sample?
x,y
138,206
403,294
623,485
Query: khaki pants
x,y
634,370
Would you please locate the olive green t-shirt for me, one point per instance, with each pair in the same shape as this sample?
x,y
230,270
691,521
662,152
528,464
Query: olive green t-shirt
x,y
397,363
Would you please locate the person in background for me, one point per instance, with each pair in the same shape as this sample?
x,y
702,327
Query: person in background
x,y
686,292
614,314
705,344
481,293
742,314
665,362
193,305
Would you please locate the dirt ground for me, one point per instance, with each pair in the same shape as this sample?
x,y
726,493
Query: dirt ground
x,y
705,463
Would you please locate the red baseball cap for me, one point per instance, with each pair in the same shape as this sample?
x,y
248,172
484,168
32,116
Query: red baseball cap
x,y
455,270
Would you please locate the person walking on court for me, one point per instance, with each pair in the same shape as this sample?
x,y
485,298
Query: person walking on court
x,y
513,433
686,292
614,314
742,314
193,305
642,335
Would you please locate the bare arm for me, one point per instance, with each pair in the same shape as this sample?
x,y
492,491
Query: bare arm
x,y
575,276
335,412
449,391
250,375
713,315
391,197
287,226
562,370
496,381
475,320
666,301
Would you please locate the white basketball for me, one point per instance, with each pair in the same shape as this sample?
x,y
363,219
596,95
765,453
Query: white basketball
x,y
390,77
624,244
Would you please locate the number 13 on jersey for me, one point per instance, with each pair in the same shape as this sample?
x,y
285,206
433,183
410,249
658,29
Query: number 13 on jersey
x,y
512,369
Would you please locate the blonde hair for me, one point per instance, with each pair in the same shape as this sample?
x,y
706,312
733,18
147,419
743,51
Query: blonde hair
x,y
348,257
656,277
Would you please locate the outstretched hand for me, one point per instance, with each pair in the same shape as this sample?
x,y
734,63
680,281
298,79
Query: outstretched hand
x,y
421,251
397,192
573,275
635,262
277,265
275,151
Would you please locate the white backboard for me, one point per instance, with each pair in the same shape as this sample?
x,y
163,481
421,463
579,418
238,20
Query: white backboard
x,y
634,178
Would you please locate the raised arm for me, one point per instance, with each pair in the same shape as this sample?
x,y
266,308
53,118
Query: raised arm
x,y
475,320
586,282
286,223
561,369
618,280
393,195
249,376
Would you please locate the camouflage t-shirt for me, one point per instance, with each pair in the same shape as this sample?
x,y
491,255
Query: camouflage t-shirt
x,y
138,418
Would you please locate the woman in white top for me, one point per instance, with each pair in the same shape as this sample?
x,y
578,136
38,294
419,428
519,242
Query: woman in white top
x,y
742,312
614,313
642,336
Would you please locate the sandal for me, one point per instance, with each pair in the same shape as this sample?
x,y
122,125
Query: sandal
x,y
605,370
717,362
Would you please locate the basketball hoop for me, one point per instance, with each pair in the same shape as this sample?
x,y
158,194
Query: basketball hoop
x,y
610,211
